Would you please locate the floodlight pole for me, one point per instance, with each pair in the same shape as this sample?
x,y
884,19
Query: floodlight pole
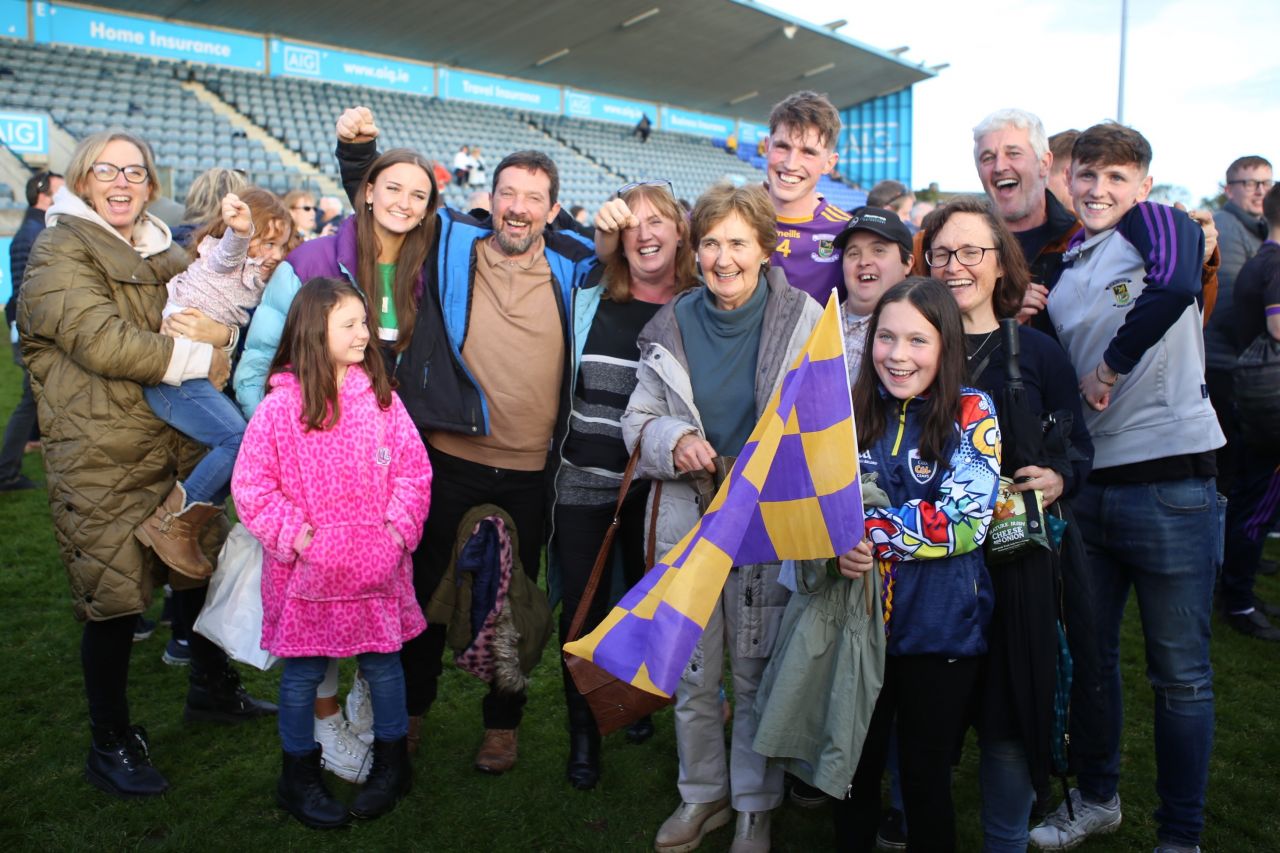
x,y
1124,38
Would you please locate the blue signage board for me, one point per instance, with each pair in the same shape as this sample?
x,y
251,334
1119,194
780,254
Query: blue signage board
x,y
25,133
698,124
458,85
876,141
604,108
13,19
6,286
290,59
56,24
749,134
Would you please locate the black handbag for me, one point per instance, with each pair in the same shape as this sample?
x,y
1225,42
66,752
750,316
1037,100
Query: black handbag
x,y
1257,391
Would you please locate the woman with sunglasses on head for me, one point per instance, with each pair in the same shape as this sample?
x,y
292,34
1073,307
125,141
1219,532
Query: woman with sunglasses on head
x,y
968,248
710,361
89,316
643,240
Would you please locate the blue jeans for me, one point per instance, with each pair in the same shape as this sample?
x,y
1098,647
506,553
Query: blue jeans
x,y
198,410
1007,795
301,677
1164,540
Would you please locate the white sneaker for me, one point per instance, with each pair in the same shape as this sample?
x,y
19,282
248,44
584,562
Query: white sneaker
x,y
343,754
1060,832
360,709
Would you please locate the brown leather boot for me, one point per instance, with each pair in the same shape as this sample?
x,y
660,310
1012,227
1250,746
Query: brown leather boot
x,y
498,751
415,734
173,532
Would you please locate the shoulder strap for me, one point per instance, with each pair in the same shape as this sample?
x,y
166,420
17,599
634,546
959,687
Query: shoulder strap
x,y
606,547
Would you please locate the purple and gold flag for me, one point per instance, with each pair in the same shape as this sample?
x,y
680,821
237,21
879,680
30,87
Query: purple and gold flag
x,y
793,494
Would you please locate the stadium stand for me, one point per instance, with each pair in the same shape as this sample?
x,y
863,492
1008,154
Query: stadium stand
x,y
86,91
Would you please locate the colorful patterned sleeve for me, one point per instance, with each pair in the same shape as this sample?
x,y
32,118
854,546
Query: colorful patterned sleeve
x,y
957,522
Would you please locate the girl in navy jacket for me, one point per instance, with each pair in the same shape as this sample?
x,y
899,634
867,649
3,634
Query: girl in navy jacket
x,y
935,446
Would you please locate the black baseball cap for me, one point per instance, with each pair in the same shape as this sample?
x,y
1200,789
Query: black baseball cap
x,y
881,222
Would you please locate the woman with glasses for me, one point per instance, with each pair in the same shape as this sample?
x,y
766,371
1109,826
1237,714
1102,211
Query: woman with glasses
x,y
709,362
89,315
969,249
643,239
301,205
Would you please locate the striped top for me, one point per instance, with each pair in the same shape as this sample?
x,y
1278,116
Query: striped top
x,y
594,453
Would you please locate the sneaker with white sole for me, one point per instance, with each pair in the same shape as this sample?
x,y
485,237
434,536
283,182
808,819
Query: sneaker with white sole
x,y
342,753
1061,831
360,709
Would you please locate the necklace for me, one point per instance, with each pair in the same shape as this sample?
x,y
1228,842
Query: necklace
x,y
979,347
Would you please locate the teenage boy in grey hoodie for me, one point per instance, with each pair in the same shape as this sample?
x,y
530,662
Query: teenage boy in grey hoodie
x,y
1126,309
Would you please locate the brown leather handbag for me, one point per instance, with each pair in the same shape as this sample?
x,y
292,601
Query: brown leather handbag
x,y
614,703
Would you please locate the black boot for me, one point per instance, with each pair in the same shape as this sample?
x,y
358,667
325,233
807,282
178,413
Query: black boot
x,y
215,695
302,793
641,730
119,763
583,769
390,778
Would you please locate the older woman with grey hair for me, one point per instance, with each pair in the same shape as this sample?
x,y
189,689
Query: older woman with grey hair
x,y
710,361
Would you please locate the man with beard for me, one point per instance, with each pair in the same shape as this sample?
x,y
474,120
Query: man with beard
x,y
486,379
1014,162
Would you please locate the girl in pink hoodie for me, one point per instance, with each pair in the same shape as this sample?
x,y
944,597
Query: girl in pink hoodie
x,y
334,481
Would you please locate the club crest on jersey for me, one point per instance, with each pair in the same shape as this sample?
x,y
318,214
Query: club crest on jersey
x,y
826,248
1120,295
922,471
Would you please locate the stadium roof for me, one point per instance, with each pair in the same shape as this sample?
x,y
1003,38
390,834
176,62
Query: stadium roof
x,y
731,57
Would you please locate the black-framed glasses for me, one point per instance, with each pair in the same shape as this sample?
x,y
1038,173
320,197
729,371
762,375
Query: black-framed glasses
x,y
106,172
969,256
659,182
1252,185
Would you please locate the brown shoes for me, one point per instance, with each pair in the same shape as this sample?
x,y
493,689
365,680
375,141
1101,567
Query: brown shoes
x,y
498,751
173,532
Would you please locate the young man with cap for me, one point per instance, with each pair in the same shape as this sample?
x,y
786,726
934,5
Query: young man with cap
x,y
875,249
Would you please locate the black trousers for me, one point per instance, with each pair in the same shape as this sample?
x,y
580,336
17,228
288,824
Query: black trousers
x,y
930,696
1222,395
105,647
456,487
579,532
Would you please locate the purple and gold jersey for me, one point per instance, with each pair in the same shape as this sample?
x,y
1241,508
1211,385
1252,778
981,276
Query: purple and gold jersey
x,y
807,254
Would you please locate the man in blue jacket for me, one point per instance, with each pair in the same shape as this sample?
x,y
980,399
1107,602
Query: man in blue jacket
x,y
40,190
486,377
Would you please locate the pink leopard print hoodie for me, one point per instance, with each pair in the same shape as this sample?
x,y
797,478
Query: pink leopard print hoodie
x,y
364,487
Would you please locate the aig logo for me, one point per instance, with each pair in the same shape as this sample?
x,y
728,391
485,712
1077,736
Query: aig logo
x,y
24,133
301,60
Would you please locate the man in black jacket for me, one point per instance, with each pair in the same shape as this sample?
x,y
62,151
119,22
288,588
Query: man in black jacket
x,y
40,190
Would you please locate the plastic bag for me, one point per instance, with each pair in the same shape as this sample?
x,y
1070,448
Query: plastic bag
x,y
232,613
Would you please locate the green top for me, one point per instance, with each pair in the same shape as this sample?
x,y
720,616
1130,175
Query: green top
x,y
389,330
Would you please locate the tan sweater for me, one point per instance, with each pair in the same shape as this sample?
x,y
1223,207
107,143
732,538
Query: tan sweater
x,y
515,350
